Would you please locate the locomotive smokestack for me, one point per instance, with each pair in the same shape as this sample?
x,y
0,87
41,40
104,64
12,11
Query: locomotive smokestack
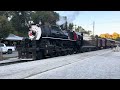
x,y
66,23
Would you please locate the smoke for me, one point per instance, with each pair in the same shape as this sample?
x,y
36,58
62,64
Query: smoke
x,y
61,21
71,16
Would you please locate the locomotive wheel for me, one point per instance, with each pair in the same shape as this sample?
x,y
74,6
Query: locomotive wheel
x,y
79,51
52,54
55,54
70,52
58,54
39,56
82,50
67,52
89,49
34,58
61,53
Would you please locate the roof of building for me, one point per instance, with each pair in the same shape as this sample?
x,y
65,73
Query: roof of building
x,y
13,37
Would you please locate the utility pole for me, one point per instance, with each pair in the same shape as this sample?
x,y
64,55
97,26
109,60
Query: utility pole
x,y
93,27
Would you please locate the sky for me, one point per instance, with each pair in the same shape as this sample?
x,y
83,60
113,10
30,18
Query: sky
x,y
105,21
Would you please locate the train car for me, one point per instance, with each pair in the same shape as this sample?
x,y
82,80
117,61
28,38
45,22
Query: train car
x,y
89,44
109,43
99,44
103,46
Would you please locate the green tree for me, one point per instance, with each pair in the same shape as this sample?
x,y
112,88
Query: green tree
x,y
70,26
89,32
19,21
77,29
80,29
5,27
46,16
6,13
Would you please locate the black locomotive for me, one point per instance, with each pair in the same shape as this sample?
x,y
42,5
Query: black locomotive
x,y
49,41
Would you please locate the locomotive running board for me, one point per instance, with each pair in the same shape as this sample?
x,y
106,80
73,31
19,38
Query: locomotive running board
x,y
26,59
57,38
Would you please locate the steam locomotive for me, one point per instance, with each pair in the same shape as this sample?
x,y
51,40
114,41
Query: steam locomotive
x,y
50,41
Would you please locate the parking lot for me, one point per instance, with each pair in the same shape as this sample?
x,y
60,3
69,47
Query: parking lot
x,y
14,54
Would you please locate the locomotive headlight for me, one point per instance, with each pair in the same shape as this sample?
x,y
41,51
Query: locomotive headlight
x,y
35,32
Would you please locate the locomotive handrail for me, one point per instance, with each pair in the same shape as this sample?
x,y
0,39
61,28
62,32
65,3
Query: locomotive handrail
x,y
58,38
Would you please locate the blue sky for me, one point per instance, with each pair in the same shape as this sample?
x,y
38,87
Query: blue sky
x,y
105,21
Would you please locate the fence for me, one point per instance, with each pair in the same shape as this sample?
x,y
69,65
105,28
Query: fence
x,y
1,55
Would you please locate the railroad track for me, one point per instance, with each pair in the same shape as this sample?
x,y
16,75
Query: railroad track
x,y
3,63
12,62
6,62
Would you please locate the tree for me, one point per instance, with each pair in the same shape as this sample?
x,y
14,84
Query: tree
x,y
19,21
115,35
107,35
5,27
89,32
7,14
46,16
79,29
70,26
102,36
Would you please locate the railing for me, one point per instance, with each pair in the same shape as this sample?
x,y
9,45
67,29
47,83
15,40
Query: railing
x,y
1,54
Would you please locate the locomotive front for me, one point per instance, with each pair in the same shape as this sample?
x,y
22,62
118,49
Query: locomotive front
x,y
28,48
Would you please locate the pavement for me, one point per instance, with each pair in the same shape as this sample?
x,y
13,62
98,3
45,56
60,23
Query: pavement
x,y
102,64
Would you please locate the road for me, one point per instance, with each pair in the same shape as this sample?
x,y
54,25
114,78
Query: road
x,y
103,64
14,54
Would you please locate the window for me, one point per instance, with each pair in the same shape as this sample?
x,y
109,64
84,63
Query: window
x,y
1,45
